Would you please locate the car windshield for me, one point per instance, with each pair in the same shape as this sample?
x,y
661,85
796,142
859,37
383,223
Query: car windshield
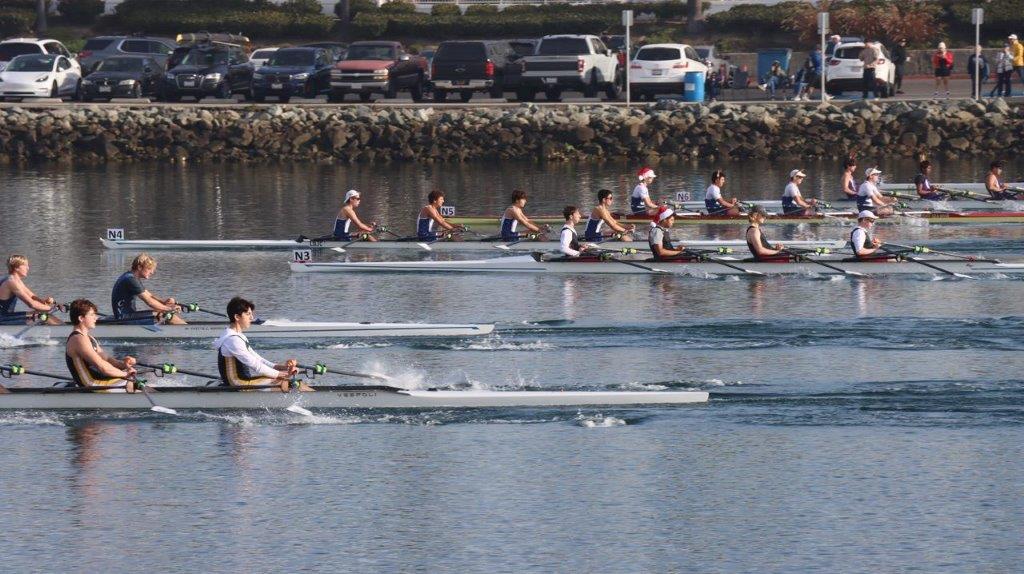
x,y
120,65
205,58
292,58
33,63
848,53
370,53
461,51
658,54
11,49
563,47
703,53
524,48
262,54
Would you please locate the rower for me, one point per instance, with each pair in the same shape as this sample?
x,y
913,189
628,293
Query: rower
x,y
569,239
757,241
865,246
640,202
347,219
514,216
239,364
430,216
129,286
925,189
869,198
713,200
793,203
13,288
847,183
601,216
89,364
995,186
660,238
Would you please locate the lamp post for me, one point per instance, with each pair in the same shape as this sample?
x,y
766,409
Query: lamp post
x,y
822,30
977,16
627,21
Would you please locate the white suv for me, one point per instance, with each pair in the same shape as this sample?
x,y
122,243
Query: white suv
x,y
661,69
844,72
12,47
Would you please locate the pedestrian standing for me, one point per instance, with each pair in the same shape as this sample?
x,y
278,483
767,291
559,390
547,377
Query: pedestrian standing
x,y
869,57
1017,49
942,63
833,41
1004,72
977,63
899,60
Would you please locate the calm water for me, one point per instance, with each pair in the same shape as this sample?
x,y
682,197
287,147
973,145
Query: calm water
x,y
855,425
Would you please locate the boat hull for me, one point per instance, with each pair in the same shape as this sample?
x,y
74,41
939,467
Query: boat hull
x,y
960,205
844,218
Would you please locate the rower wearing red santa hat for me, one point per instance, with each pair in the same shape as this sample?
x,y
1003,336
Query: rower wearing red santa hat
x,y
640,201
660,238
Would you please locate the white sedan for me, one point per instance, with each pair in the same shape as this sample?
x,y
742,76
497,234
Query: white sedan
x,y
40,76
662,68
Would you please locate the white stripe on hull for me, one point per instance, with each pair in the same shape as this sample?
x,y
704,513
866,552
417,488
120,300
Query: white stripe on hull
x,y
338,397
526,264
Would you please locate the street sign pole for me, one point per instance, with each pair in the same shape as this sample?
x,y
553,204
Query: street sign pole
x,y
627,21
822,29
977,16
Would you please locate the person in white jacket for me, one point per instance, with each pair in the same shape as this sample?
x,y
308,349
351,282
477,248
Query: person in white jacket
x,y
239,364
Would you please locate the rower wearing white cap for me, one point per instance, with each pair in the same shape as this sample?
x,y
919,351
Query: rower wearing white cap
x,y
640,201
514,216
793,203
864,246
430,216
660,238
601,216
870,199
347,221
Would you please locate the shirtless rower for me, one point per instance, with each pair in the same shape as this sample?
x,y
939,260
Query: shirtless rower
x,y
757,241
348,221
793,203
864,246
848,183
13,288
869,198
993,184
430,216
129,286
640,202
89,365
713,200
925,189
514,217
569,239
239,365
660,239
600,216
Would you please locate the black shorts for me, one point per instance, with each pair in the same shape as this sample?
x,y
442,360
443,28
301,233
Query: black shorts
x,y
941,72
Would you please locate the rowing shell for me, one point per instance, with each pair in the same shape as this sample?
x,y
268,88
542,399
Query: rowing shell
x,y
959,205
359,397
267,329
594,265
972,187
447,246
828,218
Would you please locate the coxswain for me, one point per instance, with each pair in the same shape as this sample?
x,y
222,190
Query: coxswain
x,y
713,200
640,202
568,238
348,221
848,183
129,286
430,216
757,242
993,184
514,217
239,365
660,238
13,288
89,365
925,189
793,203
600,216
864,246
869,198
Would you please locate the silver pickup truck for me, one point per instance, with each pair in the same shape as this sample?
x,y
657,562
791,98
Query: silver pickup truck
x,y
566,62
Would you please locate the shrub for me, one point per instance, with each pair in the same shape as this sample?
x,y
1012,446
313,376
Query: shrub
x,y
398,7
445,10
753,18
481,10
301,7
356,7
14,22
253,21
368,25
81,11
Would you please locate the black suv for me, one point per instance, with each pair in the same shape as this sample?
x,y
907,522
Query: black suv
x,y
207,69
299,72
468,66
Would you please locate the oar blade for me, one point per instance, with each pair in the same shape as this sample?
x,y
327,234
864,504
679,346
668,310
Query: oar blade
x,y
503,247
164,410
299,410
338,249
425,247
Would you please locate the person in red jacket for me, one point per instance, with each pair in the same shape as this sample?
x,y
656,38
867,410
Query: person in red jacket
x,y
942,63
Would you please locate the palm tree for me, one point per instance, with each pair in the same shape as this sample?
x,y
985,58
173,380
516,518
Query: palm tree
x,y
695,20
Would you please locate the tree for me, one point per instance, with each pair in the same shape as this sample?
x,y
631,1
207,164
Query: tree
x,y
40,17
695,16
886,21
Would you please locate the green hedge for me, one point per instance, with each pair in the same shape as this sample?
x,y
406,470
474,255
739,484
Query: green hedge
x,y
356,7
81,11
501,25
15,22
254,19
445,10
481,10
752,17
398,7
1002,18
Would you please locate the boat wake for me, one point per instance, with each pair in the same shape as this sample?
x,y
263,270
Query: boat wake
x,y
10,342
599,421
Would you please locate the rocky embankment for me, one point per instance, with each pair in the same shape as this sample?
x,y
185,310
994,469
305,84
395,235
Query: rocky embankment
x,y
666,131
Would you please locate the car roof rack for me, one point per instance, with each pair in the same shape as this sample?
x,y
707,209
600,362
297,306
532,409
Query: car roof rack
x,y
215,38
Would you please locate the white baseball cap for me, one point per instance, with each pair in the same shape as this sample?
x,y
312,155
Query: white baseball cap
x,y
796,173
351,193
866,215
1012,36
871,171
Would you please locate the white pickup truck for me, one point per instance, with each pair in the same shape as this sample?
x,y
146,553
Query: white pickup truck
x,y
567,62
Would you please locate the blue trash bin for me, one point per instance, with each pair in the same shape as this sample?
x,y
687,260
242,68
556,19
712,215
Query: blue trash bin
x,y
693,87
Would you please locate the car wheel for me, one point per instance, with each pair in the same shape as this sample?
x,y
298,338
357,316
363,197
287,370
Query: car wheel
x,y
224,92
525,95
309,92
497,92
366,97
335,98
137,91
391,92
417,90
54,91
613,90
284,99
590,90
465,96
440,96
259,99
553,95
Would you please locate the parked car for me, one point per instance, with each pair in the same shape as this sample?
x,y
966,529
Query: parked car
x,y
468,66
12,47
845,72
205,69
102,47
662,68
299,72
122,77
40,76
378,68
259,57
572,62
336,50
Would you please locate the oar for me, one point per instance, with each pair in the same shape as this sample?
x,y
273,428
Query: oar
x,y
704,257
920,249
527,237
359,238
141,384
171,368
803,257
964,194
321,368
929,265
